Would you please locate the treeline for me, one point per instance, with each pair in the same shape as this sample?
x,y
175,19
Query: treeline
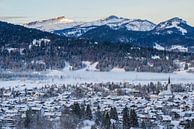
x,y
74,116
56,54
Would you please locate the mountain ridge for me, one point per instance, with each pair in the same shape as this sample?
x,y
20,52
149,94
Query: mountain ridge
x,y
111,20
113,29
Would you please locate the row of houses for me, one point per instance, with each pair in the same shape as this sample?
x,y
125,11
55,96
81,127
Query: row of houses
x,y
166,110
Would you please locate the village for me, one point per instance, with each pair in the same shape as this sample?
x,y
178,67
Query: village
x,y
161,106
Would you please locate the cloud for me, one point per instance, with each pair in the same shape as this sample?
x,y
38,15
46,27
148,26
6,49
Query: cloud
x,y
11,17
14,19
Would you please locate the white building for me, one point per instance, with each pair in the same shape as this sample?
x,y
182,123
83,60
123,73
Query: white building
x,y
167,93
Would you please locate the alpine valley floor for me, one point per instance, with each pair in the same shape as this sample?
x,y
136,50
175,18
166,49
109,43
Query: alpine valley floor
x,y
40,79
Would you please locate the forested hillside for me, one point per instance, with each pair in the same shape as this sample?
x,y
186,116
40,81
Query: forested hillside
x,y
30,49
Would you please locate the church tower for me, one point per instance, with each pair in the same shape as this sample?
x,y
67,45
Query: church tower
x,y
169,80
169,85
167,93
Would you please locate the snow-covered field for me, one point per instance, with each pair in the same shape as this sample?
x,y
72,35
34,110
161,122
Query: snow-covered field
x,y
81,76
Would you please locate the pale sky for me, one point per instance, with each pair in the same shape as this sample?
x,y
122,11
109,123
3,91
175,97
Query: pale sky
x,y
19,11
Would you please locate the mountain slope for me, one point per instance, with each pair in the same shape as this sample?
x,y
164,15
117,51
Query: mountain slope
x,y
170,34
114,22
143,39
29,49
173,32
174,25
76,29
16,35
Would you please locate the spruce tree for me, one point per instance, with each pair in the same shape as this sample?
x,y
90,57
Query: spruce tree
x,y
83,110
186,67
113,126
133,118
88,112
113,113
126,124
76,110
143,125
189,125
98,115
28,118
107,122
103,117
93,127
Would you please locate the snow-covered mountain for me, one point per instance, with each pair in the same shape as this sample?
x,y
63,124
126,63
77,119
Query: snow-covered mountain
x,y
67,27
115,23
140,25
70,28
173,32
52,24
174,25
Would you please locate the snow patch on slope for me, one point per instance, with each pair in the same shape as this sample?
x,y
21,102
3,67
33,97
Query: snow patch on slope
x,y
39,42
87,124
178,48
90,66
155,57
140,25
175,25
116,69
158,47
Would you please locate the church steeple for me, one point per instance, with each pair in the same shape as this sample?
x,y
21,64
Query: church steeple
x,y
169,80
169,85
168,91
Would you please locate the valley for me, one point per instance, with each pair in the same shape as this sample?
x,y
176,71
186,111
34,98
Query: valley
x,y
110,73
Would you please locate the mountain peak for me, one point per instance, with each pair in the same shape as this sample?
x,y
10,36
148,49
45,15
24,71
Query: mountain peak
x,y
140,25
178,20
174,23
61,19
143,21
52,24
111,17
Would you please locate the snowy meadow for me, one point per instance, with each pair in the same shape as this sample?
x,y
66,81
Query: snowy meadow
x,y
40,79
